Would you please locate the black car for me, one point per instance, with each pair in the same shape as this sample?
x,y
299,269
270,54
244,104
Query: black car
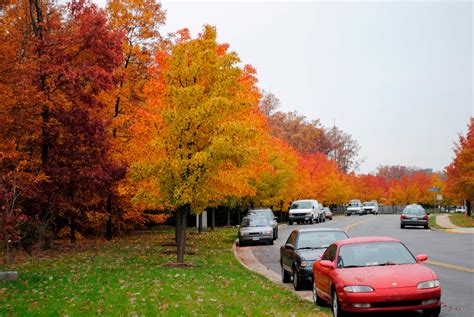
x,y
302,249
267,213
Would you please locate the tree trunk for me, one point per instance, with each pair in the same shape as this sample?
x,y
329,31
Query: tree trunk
x,y
108,233
228,217
213,219
200,222
181,224
72,226
238,216
281,211
468,208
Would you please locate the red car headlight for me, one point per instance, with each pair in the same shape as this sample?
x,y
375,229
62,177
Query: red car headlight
x,y
358,289
428,284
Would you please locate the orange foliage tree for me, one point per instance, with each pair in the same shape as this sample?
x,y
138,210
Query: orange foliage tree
x,y
319,178
139,21
460,173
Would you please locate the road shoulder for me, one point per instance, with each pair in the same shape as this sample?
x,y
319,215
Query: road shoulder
x,y
249,261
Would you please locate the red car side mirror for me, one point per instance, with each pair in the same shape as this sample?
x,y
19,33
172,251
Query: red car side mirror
x,y
421,258
328,264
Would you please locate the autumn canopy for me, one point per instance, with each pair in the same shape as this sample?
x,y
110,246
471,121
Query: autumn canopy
x,y
108,125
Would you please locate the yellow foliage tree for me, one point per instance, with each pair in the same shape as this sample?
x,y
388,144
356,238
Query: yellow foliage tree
x,y
201,120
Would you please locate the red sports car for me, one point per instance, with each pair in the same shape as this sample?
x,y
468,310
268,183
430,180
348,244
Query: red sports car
x,y
374,274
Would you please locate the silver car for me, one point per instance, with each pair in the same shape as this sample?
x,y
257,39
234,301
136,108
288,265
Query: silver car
x,y
255,230
266,213
414,215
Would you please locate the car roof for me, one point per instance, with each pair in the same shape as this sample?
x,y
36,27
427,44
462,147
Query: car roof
x,y
301,200
254,217
366,239
414,206
260,209
318,229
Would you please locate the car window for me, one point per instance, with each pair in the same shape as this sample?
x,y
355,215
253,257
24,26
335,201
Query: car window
x,y
292,238
301,205
330,253
373,254
254,222
319,239
414,211
262,213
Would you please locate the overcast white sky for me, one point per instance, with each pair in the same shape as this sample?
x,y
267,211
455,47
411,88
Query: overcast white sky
x,y
397,75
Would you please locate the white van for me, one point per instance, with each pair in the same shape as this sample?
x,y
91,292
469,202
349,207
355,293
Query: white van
x,y
306,211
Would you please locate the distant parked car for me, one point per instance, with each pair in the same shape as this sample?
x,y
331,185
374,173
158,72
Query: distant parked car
x,y
267,213
460,209
374,274
414,215
255,230
305,211
302,249
354,207
328,213
371,207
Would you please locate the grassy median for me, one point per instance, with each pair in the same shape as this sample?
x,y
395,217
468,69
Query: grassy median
x,y
462,220
127,277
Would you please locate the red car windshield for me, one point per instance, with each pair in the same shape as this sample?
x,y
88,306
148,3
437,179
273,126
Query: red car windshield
x,y
373,254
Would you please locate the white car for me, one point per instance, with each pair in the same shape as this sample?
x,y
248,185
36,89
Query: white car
x,y
305,211
354,207
460,209
371,207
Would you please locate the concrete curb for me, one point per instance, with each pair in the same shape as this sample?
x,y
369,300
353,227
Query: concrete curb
x,y
250,262
451,230
8,276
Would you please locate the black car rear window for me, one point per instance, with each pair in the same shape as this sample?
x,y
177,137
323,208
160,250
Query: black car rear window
x,y
319,239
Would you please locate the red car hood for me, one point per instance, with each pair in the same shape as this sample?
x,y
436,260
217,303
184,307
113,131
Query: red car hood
x,y
406,275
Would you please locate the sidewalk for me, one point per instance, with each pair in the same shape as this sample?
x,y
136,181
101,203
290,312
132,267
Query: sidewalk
x,y
444,222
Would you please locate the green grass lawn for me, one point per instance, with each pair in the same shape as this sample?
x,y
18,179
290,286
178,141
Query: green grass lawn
x,y
125,277
462,220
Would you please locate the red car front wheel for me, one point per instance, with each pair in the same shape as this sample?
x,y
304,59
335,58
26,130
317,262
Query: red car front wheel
x,y
336,307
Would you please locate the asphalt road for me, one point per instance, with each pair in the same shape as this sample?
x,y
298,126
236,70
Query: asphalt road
x,y
450,254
